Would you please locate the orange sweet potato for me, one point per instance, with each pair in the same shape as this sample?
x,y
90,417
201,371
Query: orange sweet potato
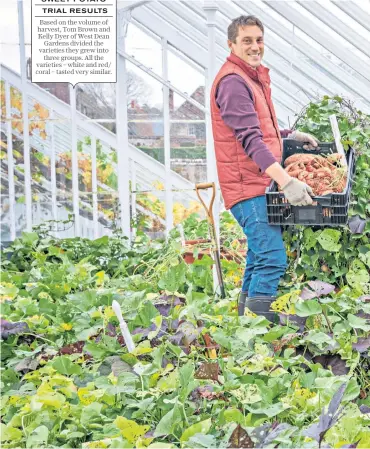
x,y
323,174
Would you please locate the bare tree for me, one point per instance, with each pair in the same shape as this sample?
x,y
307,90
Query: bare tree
x,y
137,88
103,95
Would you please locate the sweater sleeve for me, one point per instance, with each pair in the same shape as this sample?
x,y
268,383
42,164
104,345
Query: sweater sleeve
x,y
235,100
285,133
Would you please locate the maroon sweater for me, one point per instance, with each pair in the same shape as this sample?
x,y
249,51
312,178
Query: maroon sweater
x,y
235,100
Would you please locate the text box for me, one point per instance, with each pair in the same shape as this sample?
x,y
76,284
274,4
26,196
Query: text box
x,y
74,41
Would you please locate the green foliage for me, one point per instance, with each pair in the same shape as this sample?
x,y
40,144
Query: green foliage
x,y
199,376
69,381
332,254
354,127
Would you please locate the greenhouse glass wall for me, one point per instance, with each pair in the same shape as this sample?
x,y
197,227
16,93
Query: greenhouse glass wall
x,y
112,156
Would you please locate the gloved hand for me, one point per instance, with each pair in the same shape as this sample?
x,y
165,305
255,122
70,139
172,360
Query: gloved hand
x,y
304,137
297,192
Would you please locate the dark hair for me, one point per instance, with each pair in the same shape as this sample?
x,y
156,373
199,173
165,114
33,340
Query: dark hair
x,y
242,21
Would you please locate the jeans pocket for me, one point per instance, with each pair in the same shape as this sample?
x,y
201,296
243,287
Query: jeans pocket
x,y
259,207
238,212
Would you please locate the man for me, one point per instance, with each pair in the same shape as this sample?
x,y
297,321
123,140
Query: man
x,y
248,146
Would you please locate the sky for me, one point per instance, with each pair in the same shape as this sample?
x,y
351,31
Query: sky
x,y
145,49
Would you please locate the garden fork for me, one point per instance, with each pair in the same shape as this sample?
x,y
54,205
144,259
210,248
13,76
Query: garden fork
x,y
212,230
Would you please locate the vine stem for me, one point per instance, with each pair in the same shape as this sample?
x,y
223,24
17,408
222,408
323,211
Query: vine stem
x,y
327,320
42,338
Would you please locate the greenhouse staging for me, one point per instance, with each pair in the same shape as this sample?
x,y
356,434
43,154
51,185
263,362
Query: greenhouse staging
x,y
140,232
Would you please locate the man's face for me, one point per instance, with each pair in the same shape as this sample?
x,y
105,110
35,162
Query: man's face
x,y
249,45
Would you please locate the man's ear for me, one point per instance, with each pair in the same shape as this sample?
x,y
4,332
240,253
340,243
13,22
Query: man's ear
x,y
229,44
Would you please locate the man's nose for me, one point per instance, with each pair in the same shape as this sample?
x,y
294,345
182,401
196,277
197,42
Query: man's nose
x,y
255,46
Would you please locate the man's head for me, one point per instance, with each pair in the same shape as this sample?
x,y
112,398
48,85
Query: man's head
x,y
245,39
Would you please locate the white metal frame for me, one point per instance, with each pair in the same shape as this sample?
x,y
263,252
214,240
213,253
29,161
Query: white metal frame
x,y
354,11
53,175
333,72
167,140
122,130
306,78
94,186
26,139
148,169
10,159
167,20
325,16
133,196
75,181
321,37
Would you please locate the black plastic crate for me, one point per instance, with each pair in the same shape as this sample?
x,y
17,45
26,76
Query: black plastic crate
x,y
330,210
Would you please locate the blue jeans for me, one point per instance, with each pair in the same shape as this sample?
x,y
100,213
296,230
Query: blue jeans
x,y
266,256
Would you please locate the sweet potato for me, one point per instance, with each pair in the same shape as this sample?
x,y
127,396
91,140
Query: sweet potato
x,y
295,173
302,158
323,174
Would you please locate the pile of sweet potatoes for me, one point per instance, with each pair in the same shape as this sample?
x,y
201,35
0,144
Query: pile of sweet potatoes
x,y
323,174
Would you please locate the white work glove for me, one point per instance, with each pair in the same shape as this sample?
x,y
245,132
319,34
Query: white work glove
x,y
309,139
297,192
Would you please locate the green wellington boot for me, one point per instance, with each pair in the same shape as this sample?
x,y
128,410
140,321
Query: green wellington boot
x,y
241,303
260,305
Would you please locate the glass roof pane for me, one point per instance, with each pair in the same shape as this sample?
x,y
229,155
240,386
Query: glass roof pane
x,y
143,90
365,5
311,19
280,19
145,49
189,83
9,36
330,6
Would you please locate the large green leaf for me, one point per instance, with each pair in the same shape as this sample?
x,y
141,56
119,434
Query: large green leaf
x,y
318,338
308,308
65,366
233,415
200,440
8,291
169,421
358,274
364,254
146,314
310,238
38,438
173,278
358,322
83,301
49,398
169,382
268,410
199,427
29,238
186,373
130,429
90,413
9,433
329,239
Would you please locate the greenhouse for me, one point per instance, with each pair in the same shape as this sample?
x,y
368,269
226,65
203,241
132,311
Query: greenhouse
x,y
162,284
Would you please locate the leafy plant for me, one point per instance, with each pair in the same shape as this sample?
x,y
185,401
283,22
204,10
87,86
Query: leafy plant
x,y
199,376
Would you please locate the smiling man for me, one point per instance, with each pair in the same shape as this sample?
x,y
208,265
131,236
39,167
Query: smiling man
x,y
248,146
